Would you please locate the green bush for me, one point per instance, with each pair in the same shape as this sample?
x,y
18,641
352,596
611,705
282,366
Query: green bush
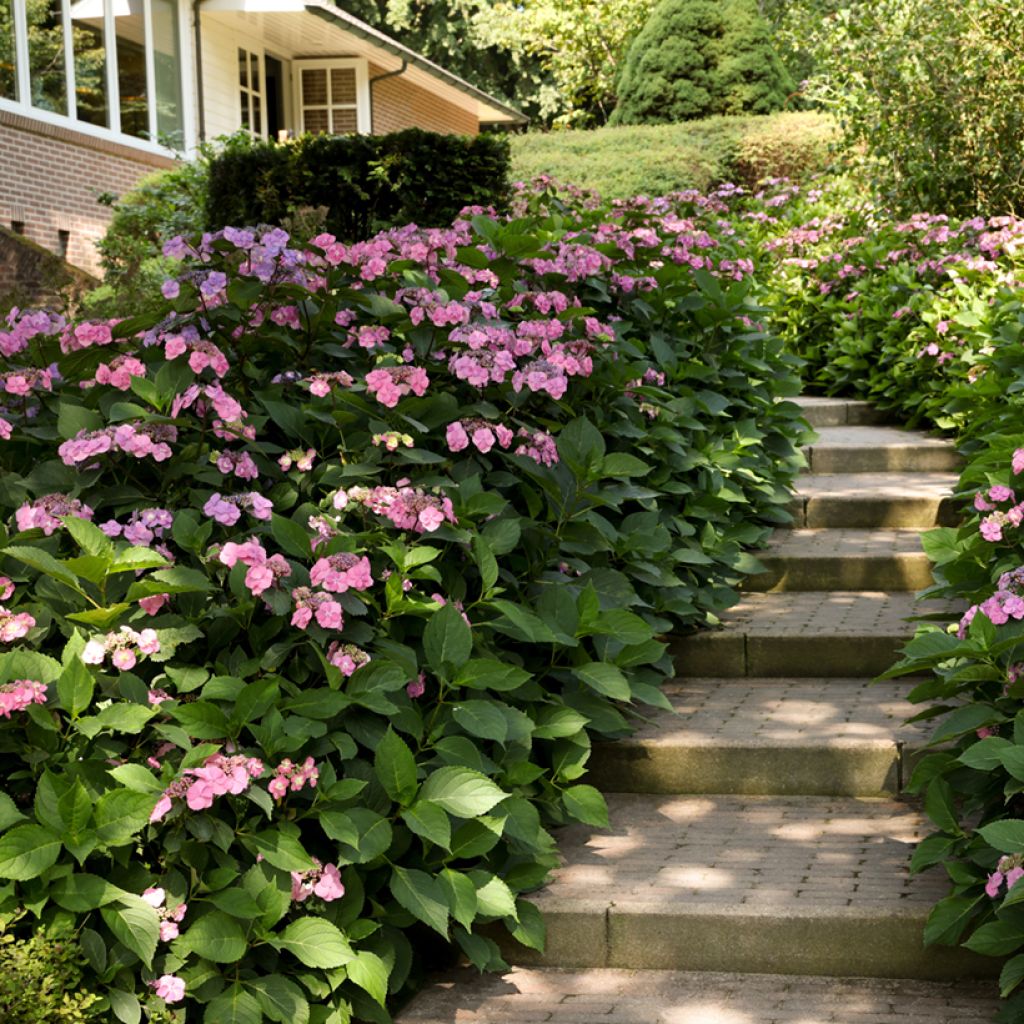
x,y
364,182
320,582
654,160
696,58
932,91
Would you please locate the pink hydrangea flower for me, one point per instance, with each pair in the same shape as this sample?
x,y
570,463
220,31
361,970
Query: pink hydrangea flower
x,y
346,657
18,695
388,384
14,625
170,988
341,572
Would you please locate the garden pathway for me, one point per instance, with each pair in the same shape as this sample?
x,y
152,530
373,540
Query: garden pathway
x,y
756,870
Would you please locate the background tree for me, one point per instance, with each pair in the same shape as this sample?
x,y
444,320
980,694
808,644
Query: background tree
x,y
697,58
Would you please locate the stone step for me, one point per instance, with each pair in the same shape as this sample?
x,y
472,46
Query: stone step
x,y
879,449
838,412
816,737
774,885
879,559
832,634
525,996
868,500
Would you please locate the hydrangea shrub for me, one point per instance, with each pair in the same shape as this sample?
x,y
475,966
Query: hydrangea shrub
x,y
318,585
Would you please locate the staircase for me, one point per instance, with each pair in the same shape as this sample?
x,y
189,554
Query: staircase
x,y
756,867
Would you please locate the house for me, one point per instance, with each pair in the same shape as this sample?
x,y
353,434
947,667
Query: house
x,y
95,94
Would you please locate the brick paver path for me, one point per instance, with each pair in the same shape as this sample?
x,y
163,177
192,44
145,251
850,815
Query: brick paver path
x,y
756,870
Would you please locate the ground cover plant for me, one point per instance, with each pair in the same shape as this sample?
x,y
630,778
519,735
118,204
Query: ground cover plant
x,y
317,584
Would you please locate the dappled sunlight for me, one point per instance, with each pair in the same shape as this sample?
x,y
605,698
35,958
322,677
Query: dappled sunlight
x,y
704,1012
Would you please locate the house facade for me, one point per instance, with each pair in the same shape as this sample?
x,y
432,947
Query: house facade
x,y
95,94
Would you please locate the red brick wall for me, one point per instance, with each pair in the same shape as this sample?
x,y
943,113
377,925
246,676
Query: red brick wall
x,y
398,104
50,178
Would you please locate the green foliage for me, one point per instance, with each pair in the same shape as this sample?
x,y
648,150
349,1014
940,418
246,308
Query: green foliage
x,y
42,981
654,160
580,46
933,92
697,58
363,182
514,596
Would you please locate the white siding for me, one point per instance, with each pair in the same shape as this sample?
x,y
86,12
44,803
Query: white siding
x,y
220,71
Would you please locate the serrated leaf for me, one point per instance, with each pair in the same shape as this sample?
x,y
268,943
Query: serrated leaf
x,y
370,973
482,719
75,687
315,943
26,851
461,791
1004,836
604,679
429,821
395,768
215,936
447,640
282,1000
234,1006
135,924
422,896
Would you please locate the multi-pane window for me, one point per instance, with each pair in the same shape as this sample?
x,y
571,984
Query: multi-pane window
x,y
332,96
250,91
112,64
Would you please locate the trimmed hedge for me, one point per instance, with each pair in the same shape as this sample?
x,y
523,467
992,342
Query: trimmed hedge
x,y
657,159
362,183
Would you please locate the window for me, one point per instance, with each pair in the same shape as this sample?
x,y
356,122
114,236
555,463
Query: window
x,y
115,65
333,96
250,93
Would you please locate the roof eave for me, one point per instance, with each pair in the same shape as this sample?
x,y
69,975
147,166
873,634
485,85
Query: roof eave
x,y
504,114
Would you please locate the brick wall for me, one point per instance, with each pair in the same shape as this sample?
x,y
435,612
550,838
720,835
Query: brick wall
x,y
50,178
399,103
33,276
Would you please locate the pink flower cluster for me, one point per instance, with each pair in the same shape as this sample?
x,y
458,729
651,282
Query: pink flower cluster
x,y
238,464
44,513
138,439
143,527
482,433
14,625
301,460
199,787
118,373
310,604
86,335
1009,871
321,384
323,880
291,777
389,384
537,445
24,382
992,526
170,988
1005,604
18,695
263,572
483,367
341,572
227,510
408,508
346,657
124,647
26,326
202,354
169,919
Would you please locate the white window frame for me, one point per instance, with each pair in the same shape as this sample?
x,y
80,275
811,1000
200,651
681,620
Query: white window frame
x,y
261,92
22,104
362,104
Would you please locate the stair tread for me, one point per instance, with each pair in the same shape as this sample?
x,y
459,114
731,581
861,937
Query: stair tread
x,y
785,856
827,613
843,542
874,486
782,713
853,436
560,996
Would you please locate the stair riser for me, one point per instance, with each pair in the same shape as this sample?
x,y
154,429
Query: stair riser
x,y
903,572
840,413
732,656
882,944
883,459
869,513
636,766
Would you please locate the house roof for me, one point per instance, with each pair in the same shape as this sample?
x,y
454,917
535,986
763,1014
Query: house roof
x,y
494,111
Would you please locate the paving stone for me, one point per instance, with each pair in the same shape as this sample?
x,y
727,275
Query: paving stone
x,y
879,449
609,996
732,883
836,412
822,559
841,737
867,500
805,633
